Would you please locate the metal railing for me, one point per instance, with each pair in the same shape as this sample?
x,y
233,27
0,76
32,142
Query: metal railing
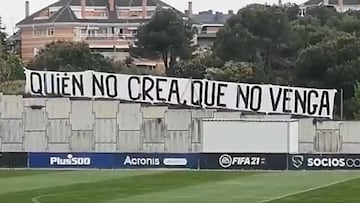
x,y
105,37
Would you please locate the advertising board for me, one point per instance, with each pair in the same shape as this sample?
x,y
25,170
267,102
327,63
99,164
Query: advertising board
x,y
112,161
235,161
71,160
156,160
324,162
13,160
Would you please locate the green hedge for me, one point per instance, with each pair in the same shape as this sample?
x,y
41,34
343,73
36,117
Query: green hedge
x,y
16,87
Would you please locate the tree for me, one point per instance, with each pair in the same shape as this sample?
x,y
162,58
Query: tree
x,y
128,68
4,68
292,11
11,69
70,56
259,34
168,35
2,39
237,72
325,15
350,24
331,64
235,43
309,31
197,66
354,102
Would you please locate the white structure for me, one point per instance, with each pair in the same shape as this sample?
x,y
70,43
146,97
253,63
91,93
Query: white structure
x,y
251,136
63,125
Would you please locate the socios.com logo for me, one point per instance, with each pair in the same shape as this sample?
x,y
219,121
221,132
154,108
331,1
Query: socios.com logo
x,y
353,163
297,161
225,161
334,162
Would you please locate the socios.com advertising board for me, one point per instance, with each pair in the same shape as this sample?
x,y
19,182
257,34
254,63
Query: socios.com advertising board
x,y
324,162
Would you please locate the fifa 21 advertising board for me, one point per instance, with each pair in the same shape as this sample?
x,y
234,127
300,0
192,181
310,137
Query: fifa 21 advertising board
x,y
235,161
324,162
181,91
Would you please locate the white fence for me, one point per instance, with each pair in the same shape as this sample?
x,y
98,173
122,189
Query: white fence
x,y
63,125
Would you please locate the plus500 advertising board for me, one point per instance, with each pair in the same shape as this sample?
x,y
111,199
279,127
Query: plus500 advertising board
x,y
71,160
140,160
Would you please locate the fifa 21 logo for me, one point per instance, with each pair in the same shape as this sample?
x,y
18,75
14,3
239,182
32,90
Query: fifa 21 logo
x,y
70,160
325,162
226,161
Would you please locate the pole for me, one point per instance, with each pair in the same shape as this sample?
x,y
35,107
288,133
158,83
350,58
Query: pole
x,y
342,104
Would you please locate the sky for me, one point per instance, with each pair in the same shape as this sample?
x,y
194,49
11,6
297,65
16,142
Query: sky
x,y
13,11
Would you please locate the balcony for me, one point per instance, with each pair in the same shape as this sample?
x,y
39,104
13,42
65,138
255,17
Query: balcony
x,y
121,41
104,37
207,35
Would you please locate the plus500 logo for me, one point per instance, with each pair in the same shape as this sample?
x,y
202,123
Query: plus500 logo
x,y
70,160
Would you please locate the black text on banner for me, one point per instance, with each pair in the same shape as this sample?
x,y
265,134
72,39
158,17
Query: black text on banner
x,y
180,91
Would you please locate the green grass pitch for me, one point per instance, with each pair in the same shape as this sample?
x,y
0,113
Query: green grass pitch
x,y
178,187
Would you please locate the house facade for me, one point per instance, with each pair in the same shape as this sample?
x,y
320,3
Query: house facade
x,y
108,26
340,5
208,24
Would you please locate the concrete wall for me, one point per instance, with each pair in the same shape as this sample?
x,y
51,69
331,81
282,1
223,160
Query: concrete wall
x,y
63,125
329,136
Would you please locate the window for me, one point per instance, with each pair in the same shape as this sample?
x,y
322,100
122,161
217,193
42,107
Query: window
x,y
150,13
44,32
104,14
39,32
100,13
92,33
51,31
36,51
103,31
83,32
134,32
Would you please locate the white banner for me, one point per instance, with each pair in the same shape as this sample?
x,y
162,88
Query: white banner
x,y
180,91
